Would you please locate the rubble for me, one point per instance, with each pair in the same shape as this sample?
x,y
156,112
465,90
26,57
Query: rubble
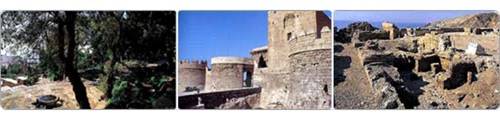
x,y
418,68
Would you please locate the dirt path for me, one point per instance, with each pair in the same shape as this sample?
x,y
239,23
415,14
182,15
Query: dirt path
x,y
352,93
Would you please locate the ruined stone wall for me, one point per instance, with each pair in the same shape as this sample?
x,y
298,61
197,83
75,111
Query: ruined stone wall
x,y
259,57
192,74
389,27
488,41
428,43
228,73
260,61
484,30
423,31
368,35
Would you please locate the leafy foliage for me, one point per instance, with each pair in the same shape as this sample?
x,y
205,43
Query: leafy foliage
x,y
143,88
106,41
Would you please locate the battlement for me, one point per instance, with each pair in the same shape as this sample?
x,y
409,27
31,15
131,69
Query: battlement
x,y
201,64
304,34
310,41
231,60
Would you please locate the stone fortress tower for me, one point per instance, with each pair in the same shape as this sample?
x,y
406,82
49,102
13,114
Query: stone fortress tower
x,y
298,60
192,75
292,72
229,73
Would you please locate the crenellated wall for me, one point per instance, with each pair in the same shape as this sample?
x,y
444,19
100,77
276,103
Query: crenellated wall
x,y
310,42
192,75
292,72
229,73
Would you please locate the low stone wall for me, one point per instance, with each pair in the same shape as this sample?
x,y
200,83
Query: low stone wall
x,y
423,31
364,36
461,41
214,99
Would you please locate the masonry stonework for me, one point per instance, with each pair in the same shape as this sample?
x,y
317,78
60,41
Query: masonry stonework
x,y
192,75
229,73
298,75
292,72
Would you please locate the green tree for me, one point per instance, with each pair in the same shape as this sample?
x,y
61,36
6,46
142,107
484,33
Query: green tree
x,y
42,30
118,45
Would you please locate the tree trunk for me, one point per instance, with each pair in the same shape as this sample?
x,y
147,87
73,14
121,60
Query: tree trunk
x,y
110,78
69,68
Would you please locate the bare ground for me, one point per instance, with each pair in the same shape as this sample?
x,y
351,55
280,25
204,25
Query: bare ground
x,y
22,97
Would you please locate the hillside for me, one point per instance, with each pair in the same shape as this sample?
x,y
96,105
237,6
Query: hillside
x,y
481,20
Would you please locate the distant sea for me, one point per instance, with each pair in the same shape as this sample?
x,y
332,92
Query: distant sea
x,y
378,24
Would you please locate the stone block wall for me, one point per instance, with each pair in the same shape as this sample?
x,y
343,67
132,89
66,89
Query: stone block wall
x,y
284,26
213,100
310,42
229,73
259,57
192,74
275,91
461,41
310,81
298,75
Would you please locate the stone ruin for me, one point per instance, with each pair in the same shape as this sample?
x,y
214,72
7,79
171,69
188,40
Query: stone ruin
x,y
292,72
423,68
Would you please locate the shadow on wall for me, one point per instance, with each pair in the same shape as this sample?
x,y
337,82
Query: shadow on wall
x,y
338,48
410,88
462,73
341,63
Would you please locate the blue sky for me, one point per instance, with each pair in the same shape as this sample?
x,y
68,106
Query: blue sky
x,y
207,34
401,17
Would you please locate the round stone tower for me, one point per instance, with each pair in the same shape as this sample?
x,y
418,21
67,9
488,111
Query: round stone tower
x,y
229,73
192,75
309,55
